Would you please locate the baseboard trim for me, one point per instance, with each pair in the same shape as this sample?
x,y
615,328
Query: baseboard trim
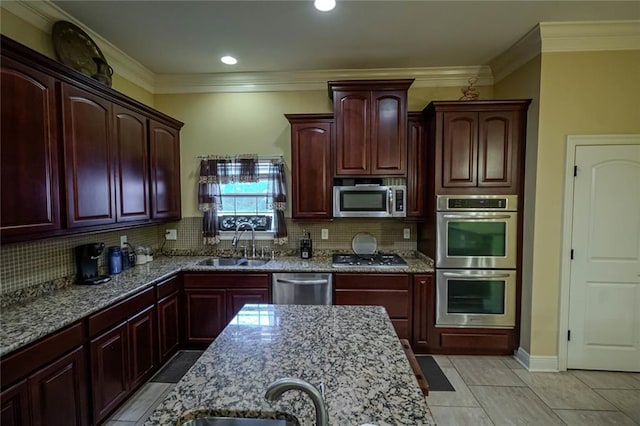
x,y
536,363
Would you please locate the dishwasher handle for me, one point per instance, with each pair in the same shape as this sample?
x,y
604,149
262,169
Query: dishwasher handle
x,y
310,282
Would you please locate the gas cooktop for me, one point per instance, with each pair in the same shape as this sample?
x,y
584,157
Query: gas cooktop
x,y
379,260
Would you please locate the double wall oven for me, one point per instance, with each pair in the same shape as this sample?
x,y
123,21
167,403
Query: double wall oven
x,y
476,257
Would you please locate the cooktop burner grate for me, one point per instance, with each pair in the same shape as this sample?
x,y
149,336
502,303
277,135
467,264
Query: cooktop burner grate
x,y
378,259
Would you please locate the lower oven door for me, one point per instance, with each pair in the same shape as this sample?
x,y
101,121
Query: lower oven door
x,y
475,298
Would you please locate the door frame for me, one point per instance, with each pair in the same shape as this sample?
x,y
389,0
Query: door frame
x,y
573,142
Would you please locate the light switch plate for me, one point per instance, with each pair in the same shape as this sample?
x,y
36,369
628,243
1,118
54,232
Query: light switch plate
x,y
325,234
123,240
407,233
171,234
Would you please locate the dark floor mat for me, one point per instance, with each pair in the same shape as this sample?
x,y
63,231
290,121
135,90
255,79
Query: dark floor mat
x,y
173,371
435,377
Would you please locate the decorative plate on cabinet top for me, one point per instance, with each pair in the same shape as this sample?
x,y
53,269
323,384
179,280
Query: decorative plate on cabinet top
x,y
75,48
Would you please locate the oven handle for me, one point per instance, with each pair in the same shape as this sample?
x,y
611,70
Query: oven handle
x,y
459,216
454,275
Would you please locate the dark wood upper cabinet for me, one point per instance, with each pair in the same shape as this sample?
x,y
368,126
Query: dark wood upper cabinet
x,y
78,156
371,126
28,151
88,158
132,162
417,165
311,136
164,147
479,145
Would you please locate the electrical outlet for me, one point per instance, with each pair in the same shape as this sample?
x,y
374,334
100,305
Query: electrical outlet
x,y
325,234
171,234
407,233
123,240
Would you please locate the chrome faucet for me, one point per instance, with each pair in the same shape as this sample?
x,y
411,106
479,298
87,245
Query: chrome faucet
x,y
236,238
280,386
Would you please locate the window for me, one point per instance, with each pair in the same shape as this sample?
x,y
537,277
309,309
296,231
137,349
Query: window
x,y
246,202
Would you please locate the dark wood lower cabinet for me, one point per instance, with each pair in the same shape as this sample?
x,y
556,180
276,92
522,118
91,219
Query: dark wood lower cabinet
x,y
15,405
206,315
142,355
109,370
168,326
213,299
423,312
58,392
237,298
391,291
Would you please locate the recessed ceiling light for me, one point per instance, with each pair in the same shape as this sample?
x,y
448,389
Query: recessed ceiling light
x,y
229,60
324,5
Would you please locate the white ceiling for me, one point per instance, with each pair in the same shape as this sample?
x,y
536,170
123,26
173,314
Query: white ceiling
x,y
184,37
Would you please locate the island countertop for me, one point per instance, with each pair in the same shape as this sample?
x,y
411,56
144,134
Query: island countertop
x,y
353,350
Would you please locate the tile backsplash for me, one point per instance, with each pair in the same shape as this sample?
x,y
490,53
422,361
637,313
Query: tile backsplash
x,y
30,264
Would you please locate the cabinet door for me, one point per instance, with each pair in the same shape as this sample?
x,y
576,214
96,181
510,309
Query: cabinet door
x,y
132,169
206,315
496,150
28,152
58,392
142,346
460,149
164,148
311,170
416,168
109,370
352,110
168,327
15,405
88,158
237,298
388,133
423,311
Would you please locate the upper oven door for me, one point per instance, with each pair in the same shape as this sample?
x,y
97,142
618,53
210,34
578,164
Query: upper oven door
x,y
476,240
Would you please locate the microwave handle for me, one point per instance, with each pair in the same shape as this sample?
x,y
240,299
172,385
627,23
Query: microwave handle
x,y
459,216
390,203
454,275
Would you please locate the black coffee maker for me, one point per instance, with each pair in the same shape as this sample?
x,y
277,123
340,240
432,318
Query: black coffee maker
x,y
87,256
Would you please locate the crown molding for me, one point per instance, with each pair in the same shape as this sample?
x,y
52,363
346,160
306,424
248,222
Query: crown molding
x,y
315,80
583,36
590,36
43,14
525,49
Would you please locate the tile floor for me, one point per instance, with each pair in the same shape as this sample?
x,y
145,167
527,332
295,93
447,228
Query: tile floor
x,y
491,391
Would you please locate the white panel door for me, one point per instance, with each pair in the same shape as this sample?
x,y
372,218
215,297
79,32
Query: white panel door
x,y
604,299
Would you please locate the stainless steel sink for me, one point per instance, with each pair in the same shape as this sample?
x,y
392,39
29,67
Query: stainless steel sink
x,y
236,421
232,261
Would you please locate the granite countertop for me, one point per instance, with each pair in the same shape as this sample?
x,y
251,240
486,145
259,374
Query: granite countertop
x,y
353,350
26,321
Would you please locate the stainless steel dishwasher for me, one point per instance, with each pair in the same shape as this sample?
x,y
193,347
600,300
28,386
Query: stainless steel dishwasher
x,y
298,288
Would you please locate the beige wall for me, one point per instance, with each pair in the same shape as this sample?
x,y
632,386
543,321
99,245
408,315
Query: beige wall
x,y
580,93
40,41
237,123
524,83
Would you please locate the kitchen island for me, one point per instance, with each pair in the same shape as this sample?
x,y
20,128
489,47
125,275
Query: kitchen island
x,y
353,350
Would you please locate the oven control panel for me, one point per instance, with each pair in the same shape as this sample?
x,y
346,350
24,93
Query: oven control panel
x,y
477,202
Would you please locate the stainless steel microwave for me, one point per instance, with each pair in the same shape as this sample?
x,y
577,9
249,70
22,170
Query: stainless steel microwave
x,y
370,201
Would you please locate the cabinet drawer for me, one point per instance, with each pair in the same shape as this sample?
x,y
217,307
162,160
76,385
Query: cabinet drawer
x,y
167,287
120,311
372,281
475,342
21,363
240,280
395,301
